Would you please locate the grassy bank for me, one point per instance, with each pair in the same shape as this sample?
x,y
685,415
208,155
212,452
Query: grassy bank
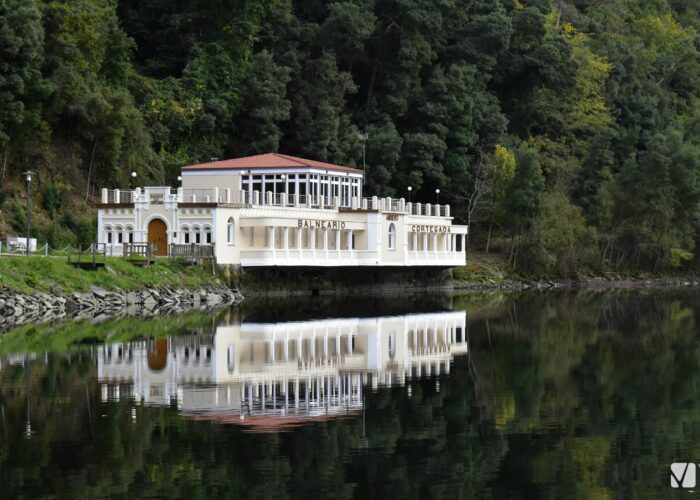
x,y
51,274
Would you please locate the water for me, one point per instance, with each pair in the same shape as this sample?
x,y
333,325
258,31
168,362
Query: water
x,y
567,395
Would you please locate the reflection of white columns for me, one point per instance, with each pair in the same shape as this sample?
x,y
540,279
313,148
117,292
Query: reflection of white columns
x,y
325,344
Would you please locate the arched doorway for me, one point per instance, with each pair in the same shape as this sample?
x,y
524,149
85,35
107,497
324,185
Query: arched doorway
x,y
158,358
158,235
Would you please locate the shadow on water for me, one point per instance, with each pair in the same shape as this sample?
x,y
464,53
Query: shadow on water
x,y
588,394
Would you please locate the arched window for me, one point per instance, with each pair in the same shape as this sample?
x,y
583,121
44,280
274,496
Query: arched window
x,y
129,234
207,235
185,230
197,235
120,234
392,236
108,234
230,228
230,359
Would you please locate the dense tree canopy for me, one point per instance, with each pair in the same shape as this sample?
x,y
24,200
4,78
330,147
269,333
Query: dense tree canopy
x,y
598,101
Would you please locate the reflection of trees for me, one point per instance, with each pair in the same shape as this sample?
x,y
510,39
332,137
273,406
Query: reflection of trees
x,y
606,390
568,395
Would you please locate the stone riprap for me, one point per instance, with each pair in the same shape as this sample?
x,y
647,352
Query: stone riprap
x,y
17,309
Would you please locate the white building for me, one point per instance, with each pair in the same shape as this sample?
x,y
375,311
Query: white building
x,y
269,375
279,210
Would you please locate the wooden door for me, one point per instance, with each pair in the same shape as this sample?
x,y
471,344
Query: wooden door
x,y
158,235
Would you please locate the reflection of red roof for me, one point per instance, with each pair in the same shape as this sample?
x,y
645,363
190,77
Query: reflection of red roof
x,y
269,160
267,423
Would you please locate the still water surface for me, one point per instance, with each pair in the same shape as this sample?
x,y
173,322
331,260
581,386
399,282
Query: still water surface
x,y
556,395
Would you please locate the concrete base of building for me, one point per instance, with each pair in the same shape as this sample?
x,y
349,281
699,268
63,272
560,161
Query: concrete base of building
x,y
323,280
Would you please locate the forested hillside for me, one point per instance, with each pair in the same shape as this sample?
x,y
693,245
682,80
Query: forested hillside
x,y
566,132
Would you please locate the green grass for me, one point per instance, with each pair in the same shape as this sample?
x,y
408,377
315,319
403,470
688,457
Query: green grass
x,y
48,274
484,268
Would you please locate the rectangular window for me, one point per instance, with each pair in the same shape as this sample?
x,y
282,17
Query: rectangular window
x,y
109,236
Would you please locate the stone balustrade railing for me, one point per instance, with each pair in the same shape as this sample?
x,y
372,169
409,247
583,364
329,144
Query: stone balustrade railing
x,y
160,195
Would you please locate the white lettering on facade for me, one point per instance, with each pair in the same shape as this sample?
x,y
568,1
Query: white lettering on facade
x,y
321,224
417,228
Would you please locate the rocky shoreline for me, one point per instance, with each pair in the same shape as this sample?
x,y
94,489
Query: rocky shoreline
x,y
17,309
584,283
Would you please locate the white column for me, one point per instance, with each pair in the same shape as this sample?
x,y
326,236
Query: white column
x,y
285,245
425,242
313,241
415,242
435,244
337,240
299,234
325,241
349,242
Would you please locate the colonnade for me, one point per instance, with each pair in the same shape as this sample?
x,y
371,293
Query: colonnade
x,y
298,238
435,242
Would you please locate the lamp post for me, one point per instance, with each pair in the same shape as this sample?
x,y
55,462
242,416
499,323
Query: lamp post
x,y
409,193
28,176
179,179
133,180
437,196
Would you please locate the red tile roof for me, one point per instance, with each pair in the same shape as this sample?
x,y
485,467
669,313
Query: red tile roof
x,y
269,160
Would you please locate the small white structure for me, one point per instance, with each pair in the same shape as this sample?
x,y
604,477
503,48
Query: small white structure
x,y
279,210
15,244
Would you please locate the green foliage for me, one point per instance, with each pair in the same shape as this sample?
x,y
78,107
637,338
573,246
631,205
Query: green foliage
x,y
18,219
605,95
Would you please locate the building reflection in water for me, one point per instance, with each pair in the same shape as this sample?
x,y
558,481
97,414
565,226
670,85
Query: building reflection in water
x,y
271,376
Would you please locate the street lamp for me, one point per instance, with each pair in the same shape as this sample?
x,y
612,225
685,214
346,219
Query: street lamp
x,y
409,193
437,196
28,176
179,178
133,179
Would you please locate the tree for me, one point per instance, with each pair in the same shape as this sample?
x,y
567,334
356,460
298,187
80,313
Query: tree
x,y
21,56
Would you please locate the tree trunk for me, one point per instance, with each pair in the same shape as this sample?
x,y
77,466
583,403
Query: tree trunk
x,y
512,249
92,159
4,162
488,237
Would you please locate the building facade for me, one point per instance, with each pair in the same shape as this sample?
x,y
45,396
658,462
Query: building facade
x,y
279,210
